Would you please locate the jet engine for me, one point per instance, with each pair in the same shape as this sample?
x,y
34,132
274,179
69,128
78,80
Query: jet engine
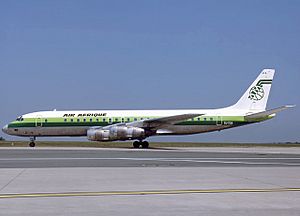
x,y
115,133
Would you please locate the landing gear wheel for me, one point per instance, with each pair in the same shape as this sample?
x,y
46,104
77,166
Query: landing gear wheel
x,y
145,144
136,144
32,143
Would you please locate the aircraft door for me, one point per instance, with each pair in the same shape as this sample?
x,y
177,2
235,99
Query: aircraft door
x,y
219,121
39,121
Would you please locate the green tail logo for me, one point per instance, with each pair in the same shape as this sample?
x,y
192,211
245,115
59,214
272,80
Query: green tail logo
x,y
257,92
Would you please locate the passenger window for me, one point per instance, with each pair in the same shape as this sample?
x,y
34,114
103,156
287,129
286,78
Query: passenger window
x,y
78,120
46,120
65,120
72,120
116,119
135,119
198,119
128,119
211,119
97,120
104,120
204,119
84,120
109,120
122,119
91,120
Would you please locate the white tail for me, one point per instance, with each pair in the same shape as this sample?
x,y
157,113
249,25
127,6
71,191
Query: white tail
x,y
256,96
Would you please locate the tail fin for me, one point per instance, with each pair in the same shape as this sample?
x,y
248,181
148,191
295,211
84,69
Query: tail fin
x,y
256,96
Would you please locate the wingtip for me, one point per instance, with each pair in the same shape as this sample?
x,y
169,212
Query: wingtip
x,y
290,106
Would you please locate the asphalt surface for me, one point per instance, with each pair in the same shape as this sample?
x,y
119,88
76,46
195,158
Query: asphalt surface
x,y
71,182
46,158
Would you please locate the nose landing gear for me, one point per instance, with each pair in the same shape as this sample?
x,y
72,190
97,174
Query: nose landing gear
x,y
143,144
32,143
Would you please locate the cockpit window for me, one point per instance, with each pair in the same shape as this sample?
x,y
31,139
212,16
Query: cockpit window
x,y
20,118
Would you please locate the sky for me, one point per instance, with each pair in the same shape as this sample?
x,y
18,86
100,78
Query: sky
x,y
156,54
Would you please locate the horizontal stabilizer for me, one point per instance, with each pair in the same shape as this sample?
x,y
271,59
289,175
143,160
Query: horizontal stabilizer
x,y
267,113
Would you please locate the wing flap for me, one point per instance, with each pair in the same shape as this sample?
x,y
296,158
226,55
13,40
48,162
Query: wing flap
x,y
157,122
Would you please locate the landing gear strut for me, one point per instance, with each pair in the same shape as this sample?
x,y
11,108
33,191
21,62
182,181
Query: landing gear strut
x,y
143,144
32,143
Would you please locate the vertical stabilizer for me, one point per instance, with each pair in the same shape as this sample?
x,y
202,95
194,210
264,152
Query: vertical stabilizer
x,y
256,96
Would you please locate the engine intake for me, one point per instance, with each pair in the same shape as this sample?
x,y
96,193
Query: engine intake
x,y
116,133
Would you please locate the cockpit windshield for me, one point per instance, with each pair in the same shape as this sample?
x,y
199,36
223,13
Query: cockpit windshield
x,y
20,118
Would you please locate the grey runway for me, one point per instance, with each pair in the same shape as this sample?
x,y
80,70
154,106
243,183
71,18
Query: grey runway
x,y
61,181
46,158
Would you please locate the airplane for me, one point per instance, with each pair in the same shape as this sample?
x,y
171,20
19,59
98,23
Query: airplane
x,y
112,125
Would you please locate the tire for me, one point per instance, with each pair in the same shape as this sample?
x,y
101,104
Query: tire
x,y
32,144
136,144
145,144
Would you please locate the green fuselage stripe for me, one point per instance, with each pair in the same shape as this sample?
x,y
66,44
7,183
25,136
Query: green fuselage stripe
x,y
105,121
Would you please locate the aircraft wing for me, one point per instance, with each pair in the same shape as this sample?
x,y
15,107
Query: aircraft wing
x,y
267,112
157,122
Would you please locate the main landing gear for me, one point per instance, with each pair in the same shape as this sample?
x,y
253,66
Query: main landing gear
x,y
143,144
32,143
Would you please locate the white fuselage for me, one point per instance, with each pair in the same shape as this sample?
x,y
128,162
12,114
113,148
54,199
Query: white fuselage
x,y
208,120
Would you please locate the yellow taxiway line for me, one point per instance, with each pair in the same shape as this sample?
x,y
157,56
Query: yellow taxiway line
x,y
150,192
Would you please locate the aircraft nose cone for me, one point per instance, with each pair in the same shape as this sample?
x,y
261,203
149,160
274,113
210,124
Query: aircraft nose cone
x,y
4,129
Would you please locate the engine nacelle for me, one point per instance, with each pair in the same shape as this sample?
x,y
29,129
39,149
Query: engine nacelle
x,y
116,133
